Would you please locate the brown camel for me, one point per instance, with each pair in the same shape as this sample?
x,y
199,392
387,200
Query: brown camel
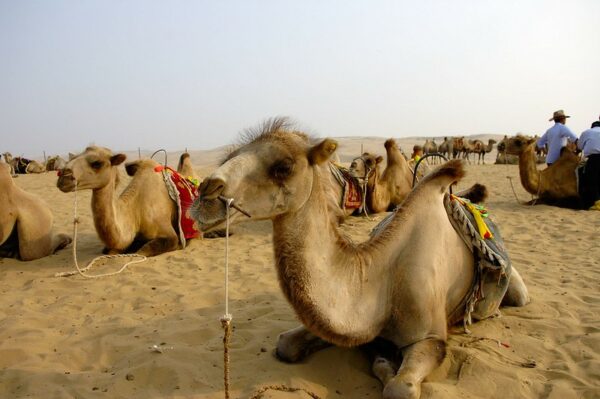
x,y
143,214
25,223
388,189
458,146
446,148
405,284
555,185
481,149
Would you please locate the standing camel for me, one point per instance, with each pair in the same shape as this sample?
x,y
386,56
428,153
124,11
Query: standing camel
x,y
481,149
25,222
143,217
406,284
458,145
446,148
555,185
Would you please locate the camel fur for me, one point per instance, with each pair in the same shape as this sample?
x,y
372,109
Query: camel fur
x,y
142,218
25,222
404,285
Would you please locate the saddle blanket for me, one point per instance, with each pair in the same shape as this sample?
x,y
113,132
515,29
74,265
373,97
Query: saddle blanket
x,y
482,237
352,195
183,191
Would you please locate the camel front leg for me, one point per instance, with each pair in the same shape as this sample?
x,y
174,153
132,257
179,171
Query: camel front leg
x,y
159,245
419,360
297,343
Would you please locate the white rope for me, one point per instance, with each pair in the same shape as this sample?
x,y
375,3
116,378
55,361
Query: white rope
x,y
81,271
227,315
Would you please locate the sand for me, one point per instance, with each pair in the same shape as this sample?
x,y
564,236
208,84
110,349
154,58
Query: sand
x,y
78,338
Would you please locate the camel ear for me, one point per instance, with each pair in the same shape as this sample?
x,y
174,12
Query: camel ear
x,y
322,151
117,159
529,141
131,168
379,159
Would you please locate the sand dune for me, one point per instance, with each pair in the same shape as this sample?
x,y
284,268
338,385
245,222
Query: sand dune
x,y
78,338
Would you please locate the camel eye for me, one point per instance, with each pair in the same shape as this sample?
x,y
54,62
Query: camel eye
x,y
96,165
281,170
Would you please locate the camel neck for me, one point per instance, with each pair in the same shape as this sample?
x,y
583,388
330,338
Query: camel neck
x,y
335,287
107,216
528,172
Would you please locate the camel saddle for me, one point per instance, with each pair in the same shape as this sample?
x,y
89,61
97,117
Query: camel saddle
x,y
183,191
482,237
352,194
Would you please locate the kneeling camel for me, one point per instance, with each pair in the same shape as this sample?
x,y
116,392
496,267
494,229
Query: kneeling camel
x,y
349,294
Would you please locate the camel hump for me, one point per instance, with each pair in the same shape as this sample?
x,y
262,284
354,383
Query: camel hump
x,y
389,143
445,175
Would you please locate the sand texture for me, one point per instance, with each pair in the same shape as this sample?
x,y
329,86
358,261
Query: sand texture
x,y
78,338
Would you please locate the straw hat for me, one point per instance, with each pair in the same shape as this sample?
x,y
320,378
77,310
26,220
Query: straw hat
x,y
559,114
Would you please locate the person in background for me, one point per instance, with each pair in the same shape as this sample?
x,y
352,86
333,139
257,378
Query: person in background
x,y
589,143
417,153
556,137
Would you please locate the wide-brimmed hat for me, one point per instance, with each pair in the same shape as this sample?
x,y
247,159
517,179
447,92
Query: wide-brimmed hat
x,y
559,114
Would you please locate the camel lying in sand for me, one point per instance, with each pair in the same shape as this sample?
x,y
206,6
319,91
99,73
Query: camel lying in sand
x,y
22,165
385,189
349,294
143,217
555,185
25,222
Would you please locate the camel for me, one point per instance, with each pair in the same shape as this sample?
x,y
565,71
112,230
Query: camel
x,y
185,167
388,189
22,165
555,185
142,219
481,149
404,285
430,147
458,144
55,163
25,223
446,148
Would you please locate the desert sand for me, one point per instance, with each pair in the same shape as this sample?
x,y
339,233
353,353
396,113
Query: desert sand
x,y
93,338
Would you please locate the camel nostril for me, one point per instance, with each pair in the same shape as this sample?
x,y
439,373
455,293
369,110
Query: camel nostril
x,y
211,188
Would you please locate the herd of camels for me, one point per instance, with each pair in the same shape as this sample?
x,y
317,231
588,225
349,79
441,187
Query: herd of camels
x,y
347,294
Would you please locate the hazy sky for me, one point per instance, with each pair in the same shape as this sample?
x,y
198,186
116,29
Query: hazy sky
x,y
193,74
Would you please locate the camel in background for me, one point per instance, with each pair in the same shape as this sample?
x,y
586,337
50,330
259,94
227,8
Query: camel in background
x,y
405,284
22,165
55,163
446,148
142,218
458,145
25,223
481,149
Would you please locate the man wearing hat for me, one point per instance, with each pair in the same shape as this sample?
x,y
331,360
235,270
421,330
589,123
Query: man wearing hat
x,y
556,137
589,143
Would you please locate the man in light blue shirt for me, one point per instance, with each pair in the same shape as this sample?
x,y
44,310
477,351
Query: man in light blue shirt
x,y
589,143
556,137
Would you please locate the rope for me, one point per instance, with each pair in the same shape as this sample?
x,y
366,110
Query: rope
x,y
226,318
534,200
81,271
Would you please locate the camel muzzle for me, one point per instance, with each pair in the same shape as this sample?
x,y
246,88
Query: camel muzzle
x,y
66,181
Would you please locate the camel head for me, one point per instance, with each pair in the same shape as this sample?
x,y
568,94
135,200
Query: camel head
x,y
365,166
91,169
270,174
515,145
7,157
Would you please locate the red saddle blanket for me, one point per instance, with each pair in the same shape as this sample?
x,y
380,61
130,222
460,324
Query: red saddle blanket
x,y
183,190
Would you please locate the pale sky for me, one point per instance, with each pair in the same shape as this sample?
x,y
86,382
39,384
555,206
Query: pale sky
x,y
176,74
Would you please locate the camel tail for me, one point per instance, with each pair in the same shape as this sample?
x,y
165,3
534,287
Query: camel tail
x,y
477,193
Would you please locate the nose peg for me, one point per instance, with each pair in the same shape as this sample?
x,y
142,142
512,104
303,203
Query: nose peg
x,y
211,188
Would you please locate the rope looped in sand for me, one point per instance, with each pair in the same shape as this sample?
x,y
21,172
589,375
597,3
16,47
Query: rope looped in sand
x,y
81,271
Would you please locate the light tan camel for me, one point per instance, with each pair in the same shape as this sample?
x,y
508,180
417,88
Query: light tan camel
x,y
385,189
185,167
20,165
481,149
55,163
554,185
405,284
25,222
430,147
142,215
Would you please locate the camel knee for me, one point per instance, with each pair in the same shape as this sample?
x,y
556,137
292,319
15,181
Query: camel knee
x,y
517,293
296,344
61,241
